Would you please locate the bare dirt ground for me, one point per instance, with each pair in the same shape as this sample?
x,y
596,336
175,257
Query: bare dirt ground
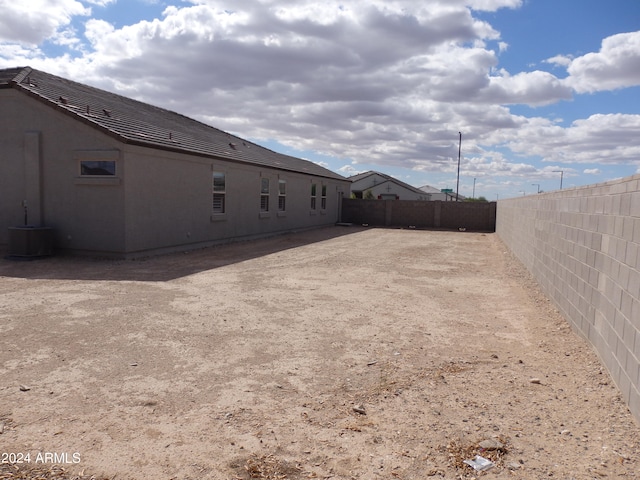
x,y
342,353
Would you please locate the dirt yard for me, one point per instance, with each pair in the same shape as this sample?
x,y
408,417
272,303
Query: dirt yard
x,y
342,353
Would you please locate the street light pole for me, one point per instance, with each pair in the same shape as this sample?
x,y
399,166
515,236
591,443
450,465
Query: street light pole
x,y
474,188
536,185
458,179
561,172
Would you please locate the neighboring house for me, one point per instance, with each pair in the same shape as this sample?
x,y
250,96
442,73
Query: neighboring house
x,y
384,187
446,196
114,176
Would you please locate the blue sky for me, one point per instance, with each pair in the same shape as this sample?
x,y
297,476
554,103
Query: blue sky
x,y
534,86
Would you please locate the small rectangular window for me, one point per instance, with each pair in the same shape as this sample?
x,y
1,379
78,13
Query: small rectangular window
x,y
313,196
282,195
323,199
219,192
264,195
97,167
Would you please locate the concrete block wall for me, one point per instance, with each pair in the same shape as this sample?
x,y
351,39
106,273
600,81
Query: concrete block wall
x,y
582,245
472,216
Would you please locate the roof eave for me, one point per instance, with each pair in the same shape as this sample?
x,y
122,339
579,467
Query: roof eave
x,y
16,83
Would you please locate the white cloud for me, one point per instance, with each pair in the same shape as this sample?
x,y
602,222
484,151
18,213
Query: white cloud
x,y
376,82
598,139
493,5
349,171
560,60
528,88
592,171
100,3
30,23
616,65
16,54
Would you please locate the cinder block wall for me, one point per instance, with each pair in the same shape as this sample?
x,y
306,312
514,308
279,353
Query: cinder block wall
x,y
582,245
472,216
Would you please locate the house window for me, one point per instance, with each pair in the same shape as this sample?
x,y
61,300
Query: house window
x,y
323,198
264,195
387,196
97,168
219,192
313,196
282,195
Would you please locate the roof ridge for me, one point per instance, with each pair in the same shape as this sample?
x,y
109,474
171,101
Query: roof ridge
x,y
387,177
162,109
135,122
24,73
13,75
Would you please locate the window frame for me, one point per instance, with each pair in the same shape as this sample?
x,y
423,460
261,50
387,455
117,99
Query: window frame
x,y
98,164
282,195
264,195
86,156
218,193
323,197
314,196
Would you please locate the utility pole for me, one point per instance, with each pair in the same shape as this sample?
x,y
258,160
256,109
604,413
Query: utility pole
x,y
561,172
474,188
458,180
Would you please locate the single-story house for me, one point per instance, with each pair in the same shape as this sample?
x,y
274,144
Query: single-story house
x,y
446,195
380,186
114,176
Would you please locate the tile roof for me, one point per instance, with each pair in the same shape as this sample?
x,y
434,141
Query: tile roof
x,y
434,190
359,176
388,178
430,189
137,123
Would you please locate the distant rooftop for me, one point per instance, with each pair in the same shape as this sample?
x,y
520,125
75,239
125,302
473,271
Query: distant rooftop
x,y
388,178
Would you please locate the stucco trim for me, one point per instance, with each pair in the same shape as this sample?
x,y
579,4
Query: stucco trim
x,y
219,217
108,181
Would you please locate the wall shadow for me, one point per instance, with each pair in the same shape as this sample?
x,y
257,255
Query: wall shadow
x,y
162,268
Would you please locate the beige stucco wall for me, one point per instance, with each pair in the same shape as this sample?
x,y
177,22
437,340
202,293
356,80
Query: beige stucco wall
x,y
39,163
158,200
582,245
169,201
